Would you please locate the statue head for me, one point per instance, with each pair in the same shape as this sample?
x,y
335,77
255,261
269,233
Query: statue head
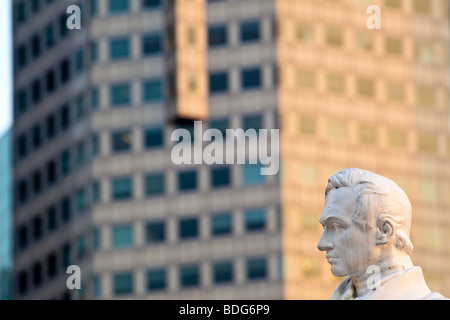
x,y
366,221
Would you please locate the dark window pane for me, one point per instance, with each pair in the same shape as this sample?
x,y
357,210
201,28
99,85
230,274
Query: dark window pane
x,y
119,48
122,141
188,228
156,232
66,210
154,184
122,236
253,122
51,126
154,137
151,44
22,237
251,78
218,82
123,283
217,36
118,6
153,91
122,188
250,31
121,95
255,220
37,274
156,279
223,272
187,180
220,177
51,219
151,4
51,265
256,268
220,124
222,224
189,276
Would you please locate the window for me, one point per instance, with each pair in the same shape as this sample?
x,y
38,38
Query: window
x,y
65,117
94,52
21,56
37,228
393,3
156,279
122,141
122,236
153,137
37,182
79,60
22,193
305,33
306,78
66,208
220,124
52,222
21,101
221,224
220,176
22,237
152,44
95,145
188,228
335,37
21,12
427,142
35,46
425,97
153,91
154,184
307,125
156,232
252,175
95,98
81,201
151,4
97,287
424,51
251,78
93,7
364,41
189,276
217,36
121,95
368,134
223,272
122,188
36,136
422,7
81,246
255,220
250,31
397,138
119,48
123,283
62,24
256,268
65,162
51,265
118,6
36,91
22,282
218,82
66,256
252,122
394,46
65,71
22,145
366,87
50,81
187,180
336,83
395,92
51,172
97,239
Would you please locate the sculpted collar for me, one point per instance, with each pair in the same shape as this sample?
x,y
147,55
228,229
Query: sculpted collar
x,y
408,285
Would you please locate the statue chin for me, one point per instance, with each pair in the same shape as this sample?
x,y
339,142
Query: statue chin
x,y
337,271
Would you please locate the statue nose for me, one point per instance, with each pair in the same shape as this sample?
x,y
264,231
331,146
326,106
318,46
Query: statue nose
x,y
324,244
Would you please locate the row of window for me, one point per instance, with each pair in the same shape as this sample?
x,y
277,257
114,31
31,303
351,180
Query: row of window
x,y
223,272
25,9
338,130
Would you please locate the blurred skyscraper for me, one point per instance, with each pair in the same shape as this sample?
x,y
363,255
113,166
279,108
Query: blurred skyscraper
x,y
6,259
95,108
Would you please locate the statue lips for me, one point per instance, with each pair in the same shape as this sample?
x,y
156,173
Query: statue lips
x,y
331,259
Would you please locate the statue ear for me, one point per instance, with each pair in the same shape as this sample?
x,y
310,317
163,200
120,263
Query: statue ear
x,y
385,230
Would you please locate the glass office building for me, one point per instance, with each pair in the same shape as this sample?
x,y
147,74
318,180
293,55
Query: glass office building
x,y
95,108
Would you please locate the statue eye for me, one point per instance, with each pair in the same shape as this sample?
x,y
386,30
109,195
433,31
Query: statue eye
x,y
337,226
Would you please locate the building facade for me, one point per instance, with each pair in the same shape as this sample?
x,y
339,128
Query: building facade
x,y
6,259
95,108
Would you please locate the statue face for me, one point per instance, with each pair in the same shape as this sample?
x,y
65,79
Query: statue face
x,y
349,249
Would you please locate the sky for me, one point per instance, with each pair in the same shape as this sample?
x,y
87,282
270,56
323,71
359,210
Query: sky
x,y
5,66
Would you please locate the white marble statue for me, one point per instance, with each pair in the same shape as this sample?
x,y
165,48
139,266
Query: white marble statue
x,y
366,221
